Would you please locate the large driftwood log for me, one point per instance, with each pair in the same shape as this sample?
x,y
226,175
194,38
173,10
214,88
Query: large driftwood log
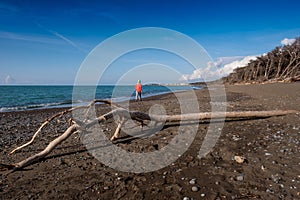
x,y
124,114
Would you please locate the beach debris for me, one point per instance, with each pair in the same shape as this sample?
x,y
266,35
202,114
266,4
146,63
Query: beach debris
x,y
239,159
121,115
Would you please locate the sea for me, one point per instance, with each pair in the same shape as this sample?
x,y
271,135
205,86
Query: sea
x,y
25,97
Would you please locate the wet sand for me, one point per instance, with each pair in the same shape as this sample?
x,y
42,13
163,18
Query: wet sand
x,y
270,146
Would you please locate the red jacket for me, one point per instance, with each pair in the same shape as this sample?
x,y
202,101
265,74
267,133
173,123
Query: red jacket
x,y
139,87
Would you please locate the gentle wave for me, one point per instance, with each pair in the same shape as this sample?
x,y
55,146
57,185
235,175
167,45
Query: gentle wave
x,y
36,106
18,98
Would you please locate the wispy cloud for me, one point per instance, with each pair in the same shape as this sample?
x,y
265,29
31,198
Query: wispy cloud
x,y
109,16
7,9
59,40
29,38
64,38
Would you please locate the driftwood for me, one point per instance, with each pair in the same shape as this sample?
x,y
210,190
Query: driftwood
x,y
124,114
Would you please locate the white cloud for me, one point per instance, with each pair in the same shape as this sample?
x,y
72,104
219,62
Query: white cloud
x,y
218,69
287,41
9,80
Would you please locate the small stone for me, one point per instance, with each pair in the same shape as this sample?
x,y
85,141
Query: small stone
x,y
239,159
276,178
202,195
193,181
235,138
270,191
195,189
240,177
106,188
186,198
268,154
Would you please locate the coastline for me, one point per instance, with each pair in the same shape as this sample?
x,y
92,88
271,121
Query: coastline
x,y
270,146
39,98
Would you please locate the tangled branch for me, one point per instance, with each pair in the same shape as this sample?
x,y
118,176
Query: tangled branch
x,y
123,114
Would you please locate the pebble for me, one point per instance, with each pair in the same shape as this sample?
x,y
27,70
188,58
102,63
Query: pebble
x,y
235,138
193,181
270,191
195,189
240,177
202,195
276,178
186,198
239,159
178,170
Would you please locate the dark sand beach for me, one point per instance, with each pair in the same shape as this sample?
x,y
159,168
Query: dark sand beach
x,y
270,146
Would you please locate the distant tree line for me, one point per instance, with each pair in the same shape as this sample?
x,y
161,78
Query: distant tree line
x,y
281,64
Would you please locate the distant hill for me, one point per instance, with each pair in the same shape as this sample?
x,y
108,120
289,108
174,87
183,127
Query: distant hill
x,y
281,64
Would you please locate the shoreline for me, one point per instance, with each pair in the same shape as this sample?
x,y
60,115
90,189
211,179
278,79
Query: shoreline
x,y
130,99
64,105
269,145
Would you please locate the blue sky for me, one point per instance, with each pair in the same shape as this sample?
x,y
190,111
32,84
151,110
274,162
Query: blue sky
x,y
45,42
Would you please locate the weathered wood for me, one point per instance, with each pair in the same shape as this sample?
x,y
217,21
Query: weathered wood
x,y
47,150
124,115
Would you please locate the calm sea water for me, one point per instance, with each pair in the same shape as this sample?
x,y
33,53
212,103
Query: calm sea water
x,y
15,98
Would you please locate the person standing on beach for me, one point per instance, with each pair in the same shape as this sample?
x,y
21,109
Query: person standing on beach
x,y
138,91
